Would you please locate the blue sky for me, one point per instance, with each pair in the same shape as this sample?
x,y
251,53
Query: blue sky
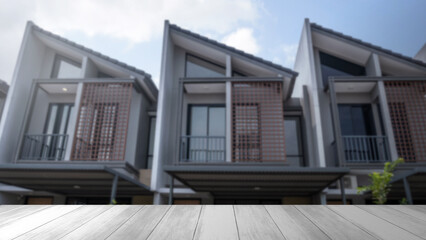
x,y
269,29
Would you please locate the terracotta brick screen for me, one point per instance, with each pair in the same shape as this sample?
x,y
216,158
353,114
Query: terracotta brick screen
x,y
407,107
257,122
102,122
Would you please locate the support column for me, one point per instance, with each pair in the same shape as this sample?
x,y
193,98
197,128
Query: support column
x,y
336,123
407,191
228,147
342,190
114,189
171,189
72,123
387,121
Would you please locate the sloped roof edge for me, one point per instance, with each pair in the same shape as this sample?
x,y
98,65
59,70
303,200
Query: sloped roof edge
x,y
97,54
369,45
234,50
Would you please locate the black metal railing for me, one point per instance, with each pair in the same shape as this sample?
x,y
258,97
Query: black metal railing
x,y
202,149
365,149
44,147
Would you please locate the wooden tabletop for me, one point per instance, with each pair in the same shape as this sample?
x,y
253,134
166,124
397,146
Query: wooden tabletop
x,y
212,222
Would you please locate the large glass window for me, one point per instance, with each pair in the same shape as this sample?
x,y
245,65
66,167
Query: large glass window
x,y
333,66
293,141
152,123
356,120
55,130
197,67
66,68
206,134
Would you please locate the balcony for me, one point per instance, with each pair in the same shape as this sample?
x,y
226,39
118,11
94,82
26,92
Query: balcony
x,y
203,149
44,147
365,149
378,119
232,120
80,120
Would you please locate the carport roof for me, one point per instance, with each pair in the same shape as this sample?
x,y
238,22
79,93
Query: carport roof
x,y
256,181
88,180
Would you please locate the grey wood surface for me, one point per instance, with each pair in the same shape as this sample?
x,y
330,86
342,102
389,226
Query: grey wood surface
x,y
293,224
212,222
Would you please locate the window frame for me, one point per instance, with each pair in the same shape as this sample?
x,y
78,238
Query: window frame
x,y
56,64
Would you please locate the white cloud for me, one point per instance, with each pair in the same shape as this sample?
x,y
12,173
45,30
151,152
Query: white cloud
x,y
134,21
243,39
289,51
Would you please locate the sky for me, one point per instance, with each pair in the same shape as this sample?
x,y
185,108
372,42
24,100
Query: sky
x,y
131,30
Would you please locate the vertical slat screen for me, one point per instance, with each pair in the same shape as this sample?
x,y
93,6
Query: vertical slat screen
x,y
257,122
407,107
102,122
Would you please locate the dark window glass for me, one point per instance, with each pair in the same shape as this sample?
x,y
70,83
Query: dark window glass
x,y
152,123
293,141
197,67
66,68
206,130
356,120
58,117
333,66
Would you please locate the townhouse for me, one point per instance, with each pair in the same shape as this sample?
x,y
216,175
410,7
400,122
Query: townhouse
x,y
75,127
228,127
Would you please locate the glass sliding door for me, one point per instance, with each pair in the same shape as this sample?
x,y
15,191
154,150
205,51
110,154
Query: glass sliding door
x,y
55,130
206,134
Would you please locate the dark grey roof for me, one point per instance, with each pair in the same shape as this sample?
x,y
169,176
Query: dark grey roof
x,y
369,45
234,50
97,54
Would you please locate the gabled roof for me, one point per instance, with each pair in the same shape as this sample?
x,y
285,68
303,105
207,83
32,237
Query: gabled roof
x,y
98,54
233,50
368,45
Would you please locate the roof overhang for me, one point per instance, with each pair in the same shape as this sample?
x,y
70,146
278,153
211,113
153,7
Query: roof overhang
x,y
256,181
72,179
417,182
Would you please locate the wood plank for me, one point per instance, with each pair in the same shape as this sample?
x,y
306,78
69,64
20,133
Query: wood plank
x,y
217,222
411,210
34,220
332,224
10,216
141,224
5,208
293,224
254,222
372,224
105,223
180,222
405,221
65,224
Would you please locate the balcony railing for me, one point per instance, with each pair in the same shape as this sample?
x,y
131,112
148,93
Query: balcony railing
x,y
365,149
202,149
44,147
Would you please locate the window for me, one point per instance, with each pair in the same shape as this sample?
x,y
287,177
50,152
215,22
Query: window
x,y
206,133
199,68
152,122
333,66
356,119
55,130
58,117
293,141
66,68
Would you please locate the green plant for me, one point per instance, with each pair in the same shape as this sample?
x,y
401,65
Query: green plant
x,y
380,182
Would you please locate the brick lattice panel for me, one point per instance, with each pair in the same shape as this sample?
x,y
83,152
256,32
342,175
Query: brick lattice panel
x,y
257,122
102,122
407,107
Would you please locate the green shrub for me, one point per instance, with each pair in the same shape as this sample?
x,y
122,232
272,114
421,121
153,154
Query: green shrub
x,y
380,182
